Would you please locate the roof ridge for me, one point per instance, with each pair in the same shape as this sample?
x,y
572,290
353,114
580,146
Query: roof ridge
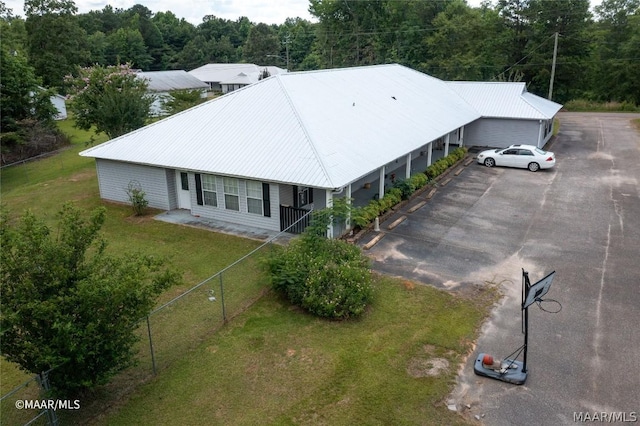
x,y
277,77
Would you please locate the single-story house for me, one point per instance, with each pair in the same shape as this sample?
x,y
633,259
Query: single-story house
x,y
262,155
162,83
510,114
59,102
229,77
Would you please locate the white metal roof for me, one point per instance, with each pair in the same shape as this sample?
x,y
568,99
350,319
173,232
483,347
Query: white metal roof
x,y
242,78
324,129
166,81
224,72
505,100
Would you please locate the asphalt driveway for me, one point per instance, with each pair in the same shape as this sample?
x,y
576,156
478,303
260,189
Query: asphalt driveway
x,y
581,219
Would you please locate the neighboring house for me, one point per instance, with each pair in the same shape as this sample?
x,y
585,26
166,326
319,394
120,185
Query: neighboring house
x,y
510,114
229,77
261,155
59,103
162,83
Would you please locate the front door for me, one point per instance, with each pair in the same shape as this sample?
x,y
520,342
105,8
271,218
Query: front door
x,y
182,188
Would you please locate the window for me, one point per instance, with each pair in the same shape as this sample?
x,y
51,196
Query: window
x,y
525,152
231,198
254,197
209,193
184,181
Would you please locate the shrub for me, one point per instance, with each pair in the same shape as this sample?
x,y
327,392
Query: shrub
x,y
328,278
138,198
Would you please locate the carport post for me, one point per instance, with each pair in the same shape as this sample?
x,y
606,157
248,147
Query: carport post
x,y
347,220
429,153
408,167
446,144
381,183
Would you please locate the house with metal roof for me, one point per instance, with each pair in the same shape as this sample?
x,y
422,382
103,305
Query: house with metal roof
x,y
262,154
510,114
162,83
228,77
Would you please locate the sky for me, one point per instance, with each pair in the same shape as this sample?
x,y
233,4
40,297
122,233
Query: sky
x,y
267,11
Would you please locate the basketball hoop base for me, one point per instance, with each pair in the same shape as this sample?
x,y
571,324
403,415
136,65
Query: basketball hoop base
x,y
513,374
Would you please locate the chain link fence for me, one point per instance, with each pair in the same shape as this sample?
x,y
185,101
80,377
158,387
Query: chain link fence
x,y
166,334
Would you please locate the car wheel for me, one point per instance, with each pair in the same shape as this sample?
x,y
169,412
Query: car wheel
x,y
534,167
489,162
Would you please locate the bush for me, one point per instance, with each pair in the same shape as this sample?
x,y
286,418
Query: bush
x,y
403,189
137,197
328,278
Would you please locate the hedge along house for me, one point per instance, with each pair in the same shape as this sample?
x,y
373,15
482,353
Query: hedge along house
x,y
263,155
510,114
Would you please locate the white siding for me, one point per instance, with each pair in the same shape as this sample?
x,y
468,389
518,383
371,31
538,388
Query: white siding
x,y
241,217
498,133
114,178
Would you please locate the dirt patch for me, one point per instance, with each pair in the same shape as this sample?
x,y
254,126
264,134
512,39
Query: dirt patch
x,y
82,176
139,219
423,367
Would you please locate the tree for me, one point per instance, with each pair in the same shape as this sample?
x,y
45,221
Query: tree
x,y
616,46
127,45
113,99
20,97
56,42
69,306
262,44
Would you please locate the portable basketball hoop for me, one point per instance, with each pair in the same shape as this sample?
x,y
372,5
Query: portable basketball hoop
x,y
509,369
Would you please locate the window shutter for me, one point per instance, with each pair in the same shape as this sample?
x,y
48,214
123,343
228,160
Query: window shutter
x,y
199,189
310,195
266,204
295,196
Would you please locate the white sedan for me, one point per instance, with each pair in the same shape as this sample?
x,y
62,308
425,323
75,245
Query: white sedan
x,y
522,156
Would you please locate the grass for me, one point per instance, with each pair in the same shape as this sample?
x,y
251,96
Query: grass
x,y
44,185
277,365
584,105
271,364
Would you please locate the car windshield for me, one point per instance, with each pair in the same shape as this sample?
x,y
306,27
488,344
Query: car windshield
x,y
541,152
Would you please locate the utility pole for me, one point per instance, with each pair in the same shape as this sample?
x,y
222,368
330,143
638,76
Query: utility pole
x,y
553,65
286,45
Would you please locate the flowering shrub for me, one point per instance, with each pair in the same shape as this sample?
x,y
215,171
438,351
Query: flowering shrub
x,y
328,278
112,99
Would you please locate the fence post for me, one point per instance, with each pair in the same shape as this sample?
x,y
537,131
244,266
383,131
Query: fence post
x,y
224,313
52,417
153,357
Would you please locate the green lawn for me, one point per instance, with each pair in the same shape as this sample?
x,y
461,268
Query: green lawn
x,y
276,365
271,364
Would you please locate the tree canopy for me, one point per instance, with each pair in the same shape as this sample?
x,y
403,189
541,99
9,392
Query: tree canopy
x,y
113,99
449,39
69,306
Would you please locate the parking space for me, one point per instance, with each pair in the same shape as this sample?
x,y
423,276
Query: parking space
x,y
582,219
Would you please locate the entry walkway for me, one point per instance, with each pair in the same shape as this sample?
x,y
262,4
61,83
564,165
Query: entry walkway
x,y
184,217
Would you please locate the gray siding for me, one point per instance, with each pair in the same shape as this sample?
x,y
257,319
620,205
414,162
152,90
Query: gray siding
x,y
500,133
242,217
114,178
171,188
